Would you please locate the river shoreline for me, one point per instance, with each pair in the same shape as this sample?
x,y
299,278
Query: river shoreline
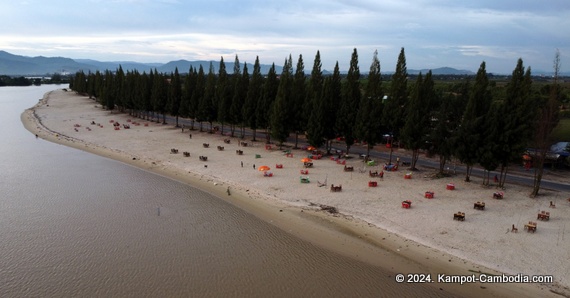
x,y
356,232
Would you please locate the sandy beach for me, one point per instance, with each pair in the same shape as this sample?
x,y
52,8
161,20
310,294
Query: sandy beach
x,y
425,234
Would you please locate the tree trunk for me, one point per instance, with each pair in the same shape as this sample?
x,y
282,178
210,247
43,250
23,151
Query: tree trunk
x,y
536,183
468,169
503,175
296,140
391,150
415,156
442,161
538,171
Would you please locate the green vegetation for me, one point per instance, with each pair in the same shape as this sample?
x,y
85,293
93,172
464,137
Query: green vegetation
x,y
561,132
18,81
484,120
55,78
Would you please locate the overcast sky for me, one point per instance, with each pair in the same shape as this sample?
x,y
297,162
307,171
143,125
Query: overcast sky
x,y
434,33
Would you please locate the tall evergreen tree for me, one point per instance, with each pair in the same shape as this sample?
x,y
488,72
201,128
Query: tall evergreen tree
x,y
91,87
315,86
265,107
548,118
280,115
143,102
197,94
159,95
317,119
119,89
130,92
236,105
346,116
519,110
469,137
447,118
332,96
79,82
419,111
108,91
223,94
253,98
175,95
298,121
97,85
394,109
489,154
155,93
239,98
369,117
206,108
186,95
147,94
314,105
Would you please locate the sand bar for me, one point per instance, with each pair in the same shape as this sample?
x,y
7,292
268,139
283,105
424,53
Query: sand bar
x,y
426,235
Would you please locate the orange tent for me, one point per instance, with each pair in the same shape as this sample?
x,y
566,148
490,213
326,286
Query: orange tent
x,y
264,168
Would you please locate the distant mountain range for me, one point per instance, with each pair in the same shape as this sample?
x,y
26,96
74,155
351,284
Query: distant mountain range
x,y
15,65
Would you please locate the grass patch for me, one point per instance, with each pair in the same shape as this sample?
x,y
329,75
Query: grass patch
x,y
561,132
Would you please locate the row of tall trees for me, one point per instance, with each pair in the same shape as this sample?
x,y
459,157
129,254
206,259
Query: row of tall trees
x,y
476,123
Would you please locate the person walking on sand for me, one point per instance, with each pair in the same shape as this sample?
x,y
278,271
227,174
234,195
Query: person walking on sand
x,y
254,166
242,164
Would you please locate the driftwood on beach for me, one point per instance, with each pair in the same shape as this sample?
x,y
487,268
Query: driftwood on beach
x,y
329,209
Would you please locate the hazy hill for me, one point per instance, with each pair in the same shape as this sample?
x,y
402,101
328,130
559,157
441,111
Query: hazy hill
x,y
184,66
15,65
20,65
113,65
442,71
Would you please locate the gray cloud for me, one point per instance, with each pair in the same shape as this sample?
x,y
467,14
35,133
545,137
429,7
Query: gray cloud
x,y
435,33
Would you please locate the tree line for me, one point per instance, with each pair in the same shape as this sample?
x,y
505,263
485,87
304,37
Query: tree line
x,y
24,81
477,122
15,81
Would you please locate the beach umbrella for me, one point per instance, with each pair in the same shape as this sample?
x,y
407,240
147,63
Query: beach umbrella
x,y
306,159
264,168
